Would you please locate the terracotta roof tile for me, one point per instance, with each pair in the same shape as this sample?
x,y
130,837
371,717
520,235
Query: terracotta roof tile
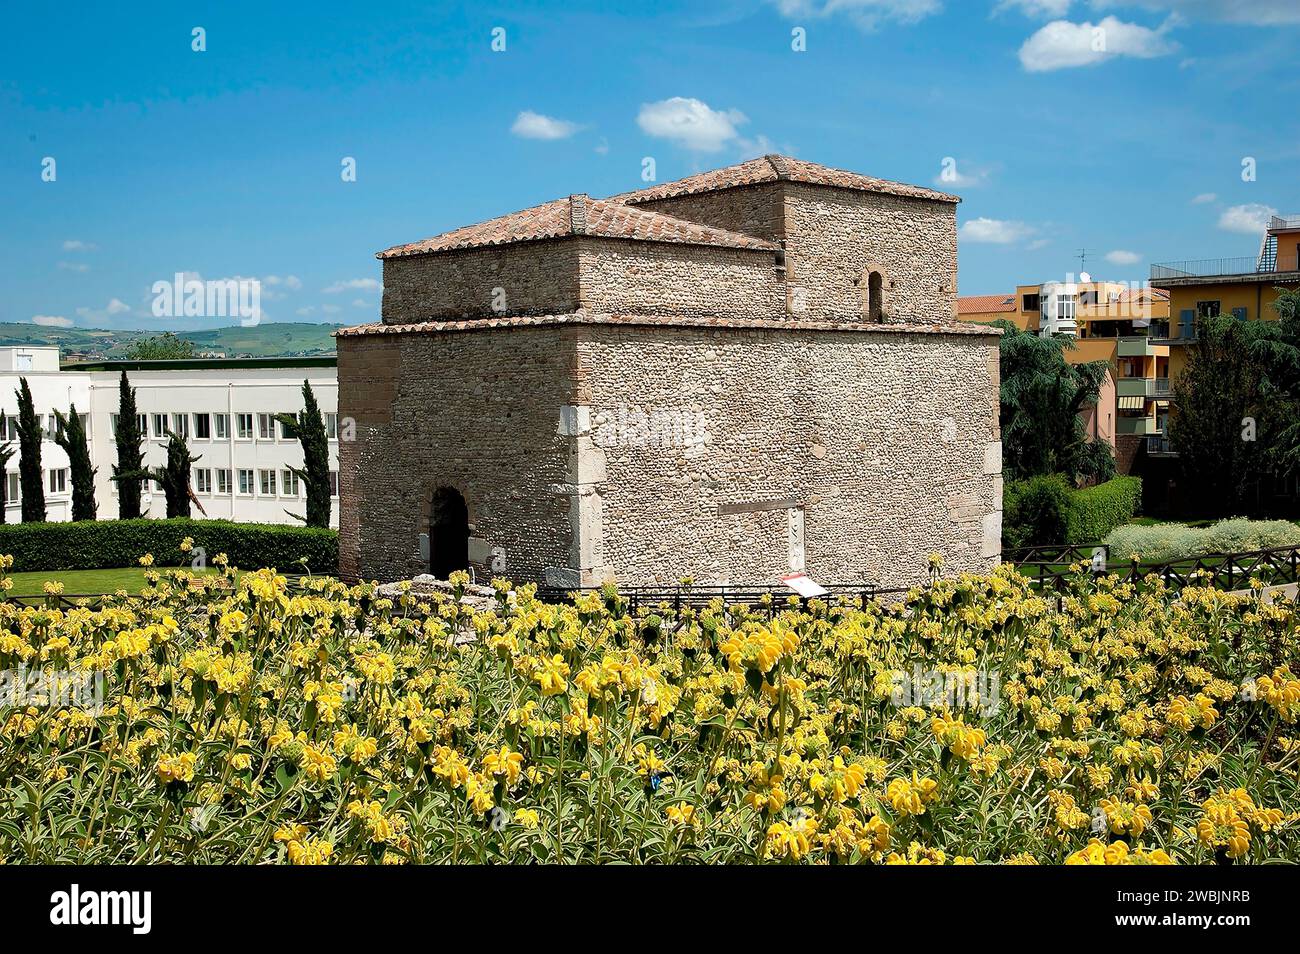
x,y
772,168
985,304
590,318
579,215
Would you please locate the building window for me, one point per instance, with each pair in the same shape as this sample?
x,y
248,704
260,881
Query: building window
x,y
266,427
1032,303
332,426
23,362
1239,314
290,480
266,483
159,426
181,425
223,481
220,426
284,430
1207,309
203,480
203,427
59,481
334,483
15,494
9,427
244,426
245,481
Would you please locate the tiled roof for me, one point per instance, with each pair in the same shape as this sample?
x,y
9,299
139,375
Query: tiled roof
x,y
772,168
667,321
579,215
985,304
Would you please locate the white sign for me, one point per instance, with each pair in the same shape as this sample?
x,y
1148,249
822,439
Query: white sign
x,y
803,585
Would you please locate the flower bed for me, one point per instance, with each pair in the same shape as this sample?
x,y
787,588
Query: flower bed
x,y
973,722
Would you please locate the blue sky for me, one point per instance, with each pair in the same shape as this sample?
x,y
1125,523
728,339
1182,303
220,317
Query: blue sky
x,y
1119,127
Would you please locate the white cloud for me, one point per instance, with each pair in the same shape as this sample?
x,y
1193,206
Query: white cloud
x,y
959,174
362,284
292,282
74,266
1251,218
52,321
330,309
1251,12
994,231
77,245
867,14
305,311
1062,44
116,306
1204,198
531,125
1121,257
361,303
690,123
1035,8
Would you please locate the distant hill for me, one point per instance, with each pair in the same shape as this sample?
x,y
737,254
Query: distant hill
x,y
271,340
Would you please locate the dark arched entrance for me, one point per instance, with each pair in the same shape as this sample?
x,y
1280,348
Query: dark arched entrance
x,y
448,533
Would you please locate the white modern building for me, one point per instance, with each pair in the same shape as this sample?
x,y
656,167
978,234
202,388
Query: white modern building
x,y
226,408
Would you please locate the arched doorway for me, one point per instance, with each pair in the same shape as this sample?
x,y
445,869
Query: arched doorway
x,y
448,533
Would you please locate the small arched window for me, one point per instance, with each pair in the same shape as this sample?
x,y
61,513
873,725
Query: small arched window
x,y
875,296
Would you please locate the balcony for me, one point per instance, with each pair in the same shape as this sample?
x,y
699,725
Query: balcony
x,y
1140,347
1222,267
1160,388
1158,445
1283,223
1143,426
1135,387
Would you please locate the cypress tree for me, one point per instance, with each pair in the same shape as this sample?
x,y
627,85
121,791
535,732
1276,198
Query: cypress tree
x,y
30,475
130,458
308,427
174,477
6,454
71,436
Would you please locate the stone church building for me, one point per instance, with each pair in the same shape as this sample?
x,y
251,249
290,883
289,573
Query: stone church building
x,y
742,373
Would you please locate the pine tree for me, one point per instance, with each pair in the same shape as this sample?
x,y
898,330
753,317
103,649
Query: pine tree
x,y
71,436
308,427
30,475
130,458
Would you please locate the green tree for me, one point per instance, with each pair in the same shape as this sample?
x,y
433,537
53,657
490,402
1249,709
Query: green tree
x,y
164,347
130,457
1236,404
6,454
71,436
1041,397
30,475
174,477
308,427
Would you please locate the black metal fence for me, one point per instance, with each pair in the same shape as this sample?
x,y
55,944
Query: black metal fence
x,y
1053,567
684,596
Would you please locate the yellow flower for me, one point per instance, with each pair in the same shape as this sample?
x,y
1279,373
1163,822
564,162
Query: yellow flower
x,y
910,798
551,675
505,763
176,768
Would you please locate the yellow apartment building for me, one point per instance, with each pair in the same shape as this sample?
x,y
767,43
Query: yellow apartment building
x,y
1244,287
1115,322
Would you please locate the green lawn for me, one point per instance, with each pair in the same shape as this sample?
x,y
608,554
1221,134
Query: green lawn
x,y
81,582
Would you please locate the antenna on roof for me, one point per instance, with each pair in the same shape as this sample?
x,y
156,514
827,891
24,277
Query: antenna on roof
x,y
1083,257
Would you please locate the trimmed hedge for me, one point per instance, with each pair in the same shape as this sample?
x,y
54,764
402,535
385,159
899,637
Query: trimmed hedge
x,y
104,544
1096,511
1046,511
1035,511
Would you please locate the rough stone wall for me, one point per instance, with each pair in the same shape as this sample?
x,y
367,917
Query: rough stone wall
x,y
477,412
756,210
537,278
661,278
736,456
835,235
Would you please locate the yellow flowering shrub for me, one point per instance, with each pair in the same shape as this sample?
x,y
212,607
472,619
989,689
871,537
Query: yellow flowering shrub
x,y
244,720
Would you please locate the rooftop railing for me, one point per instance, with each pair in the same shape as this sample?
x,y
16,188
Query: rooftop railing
x,y
1241,265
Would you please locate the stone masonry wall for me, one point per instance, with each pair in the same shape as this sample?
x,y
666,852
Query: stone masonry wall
x,y
736,456
477,412
834,235
663,278
756,210
537,278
